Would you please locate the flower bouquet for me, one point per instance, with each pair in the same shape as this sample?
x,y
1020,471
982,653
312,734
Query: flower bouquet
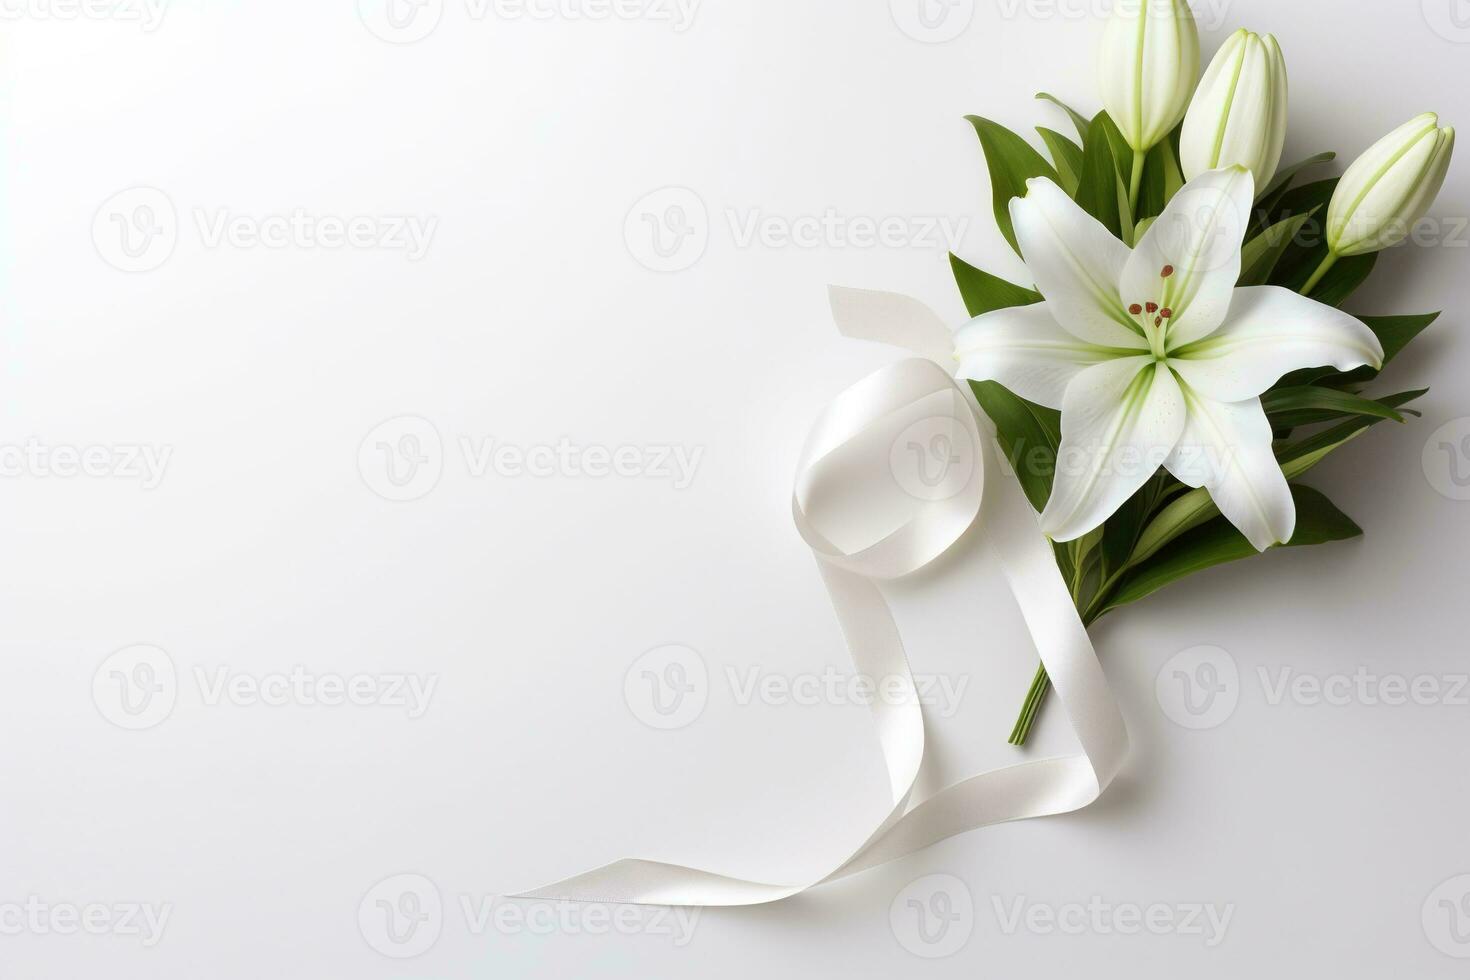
x,y
1186,321
1150,392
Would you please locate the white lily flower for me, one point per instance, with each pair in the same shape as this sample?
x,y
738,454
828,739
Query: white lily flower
x,y
1155,357
1238,115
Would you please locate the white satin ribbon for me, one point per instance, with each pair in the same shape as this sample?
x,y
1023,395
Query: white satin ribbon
x,y
864,529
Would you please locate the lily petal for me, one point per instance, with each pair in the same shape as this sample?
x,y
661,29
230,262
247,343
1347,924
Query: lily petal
x,y
1120,421
1025,349
1272,332
1077,265
1199,237
1227,448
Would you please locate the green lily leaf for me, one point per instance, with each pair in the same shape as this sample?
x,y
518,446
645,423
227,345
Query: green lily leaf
x,y
1122,152
1218,542
1261,254
1300,200
1011,161
1097,194
1271,196
1084,549
1082,123
1028,433
1297,458
984,293
1310,404
1064,561
1066,155
1397,332
1127,230
1306,376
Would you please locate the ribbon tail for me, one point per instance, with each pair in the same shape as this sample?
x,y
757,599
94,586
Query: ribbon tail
x,y
894,319
877,651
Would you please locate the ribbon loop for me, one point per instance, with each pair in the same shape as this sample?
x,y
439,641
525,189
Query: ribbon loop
x,y
892,475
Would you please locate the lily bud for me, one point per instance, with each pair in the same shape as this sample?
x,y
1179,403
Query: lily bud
x,y
1390,188
1150,63
1238,116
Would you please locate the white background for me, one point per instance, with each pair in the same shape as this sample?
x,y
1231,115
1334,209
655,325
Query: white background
x,y
265,829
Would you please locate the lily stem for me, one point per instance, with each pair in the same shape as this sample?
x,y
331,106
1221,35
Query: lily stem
x,y
1040,685
1136,183
1322,271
